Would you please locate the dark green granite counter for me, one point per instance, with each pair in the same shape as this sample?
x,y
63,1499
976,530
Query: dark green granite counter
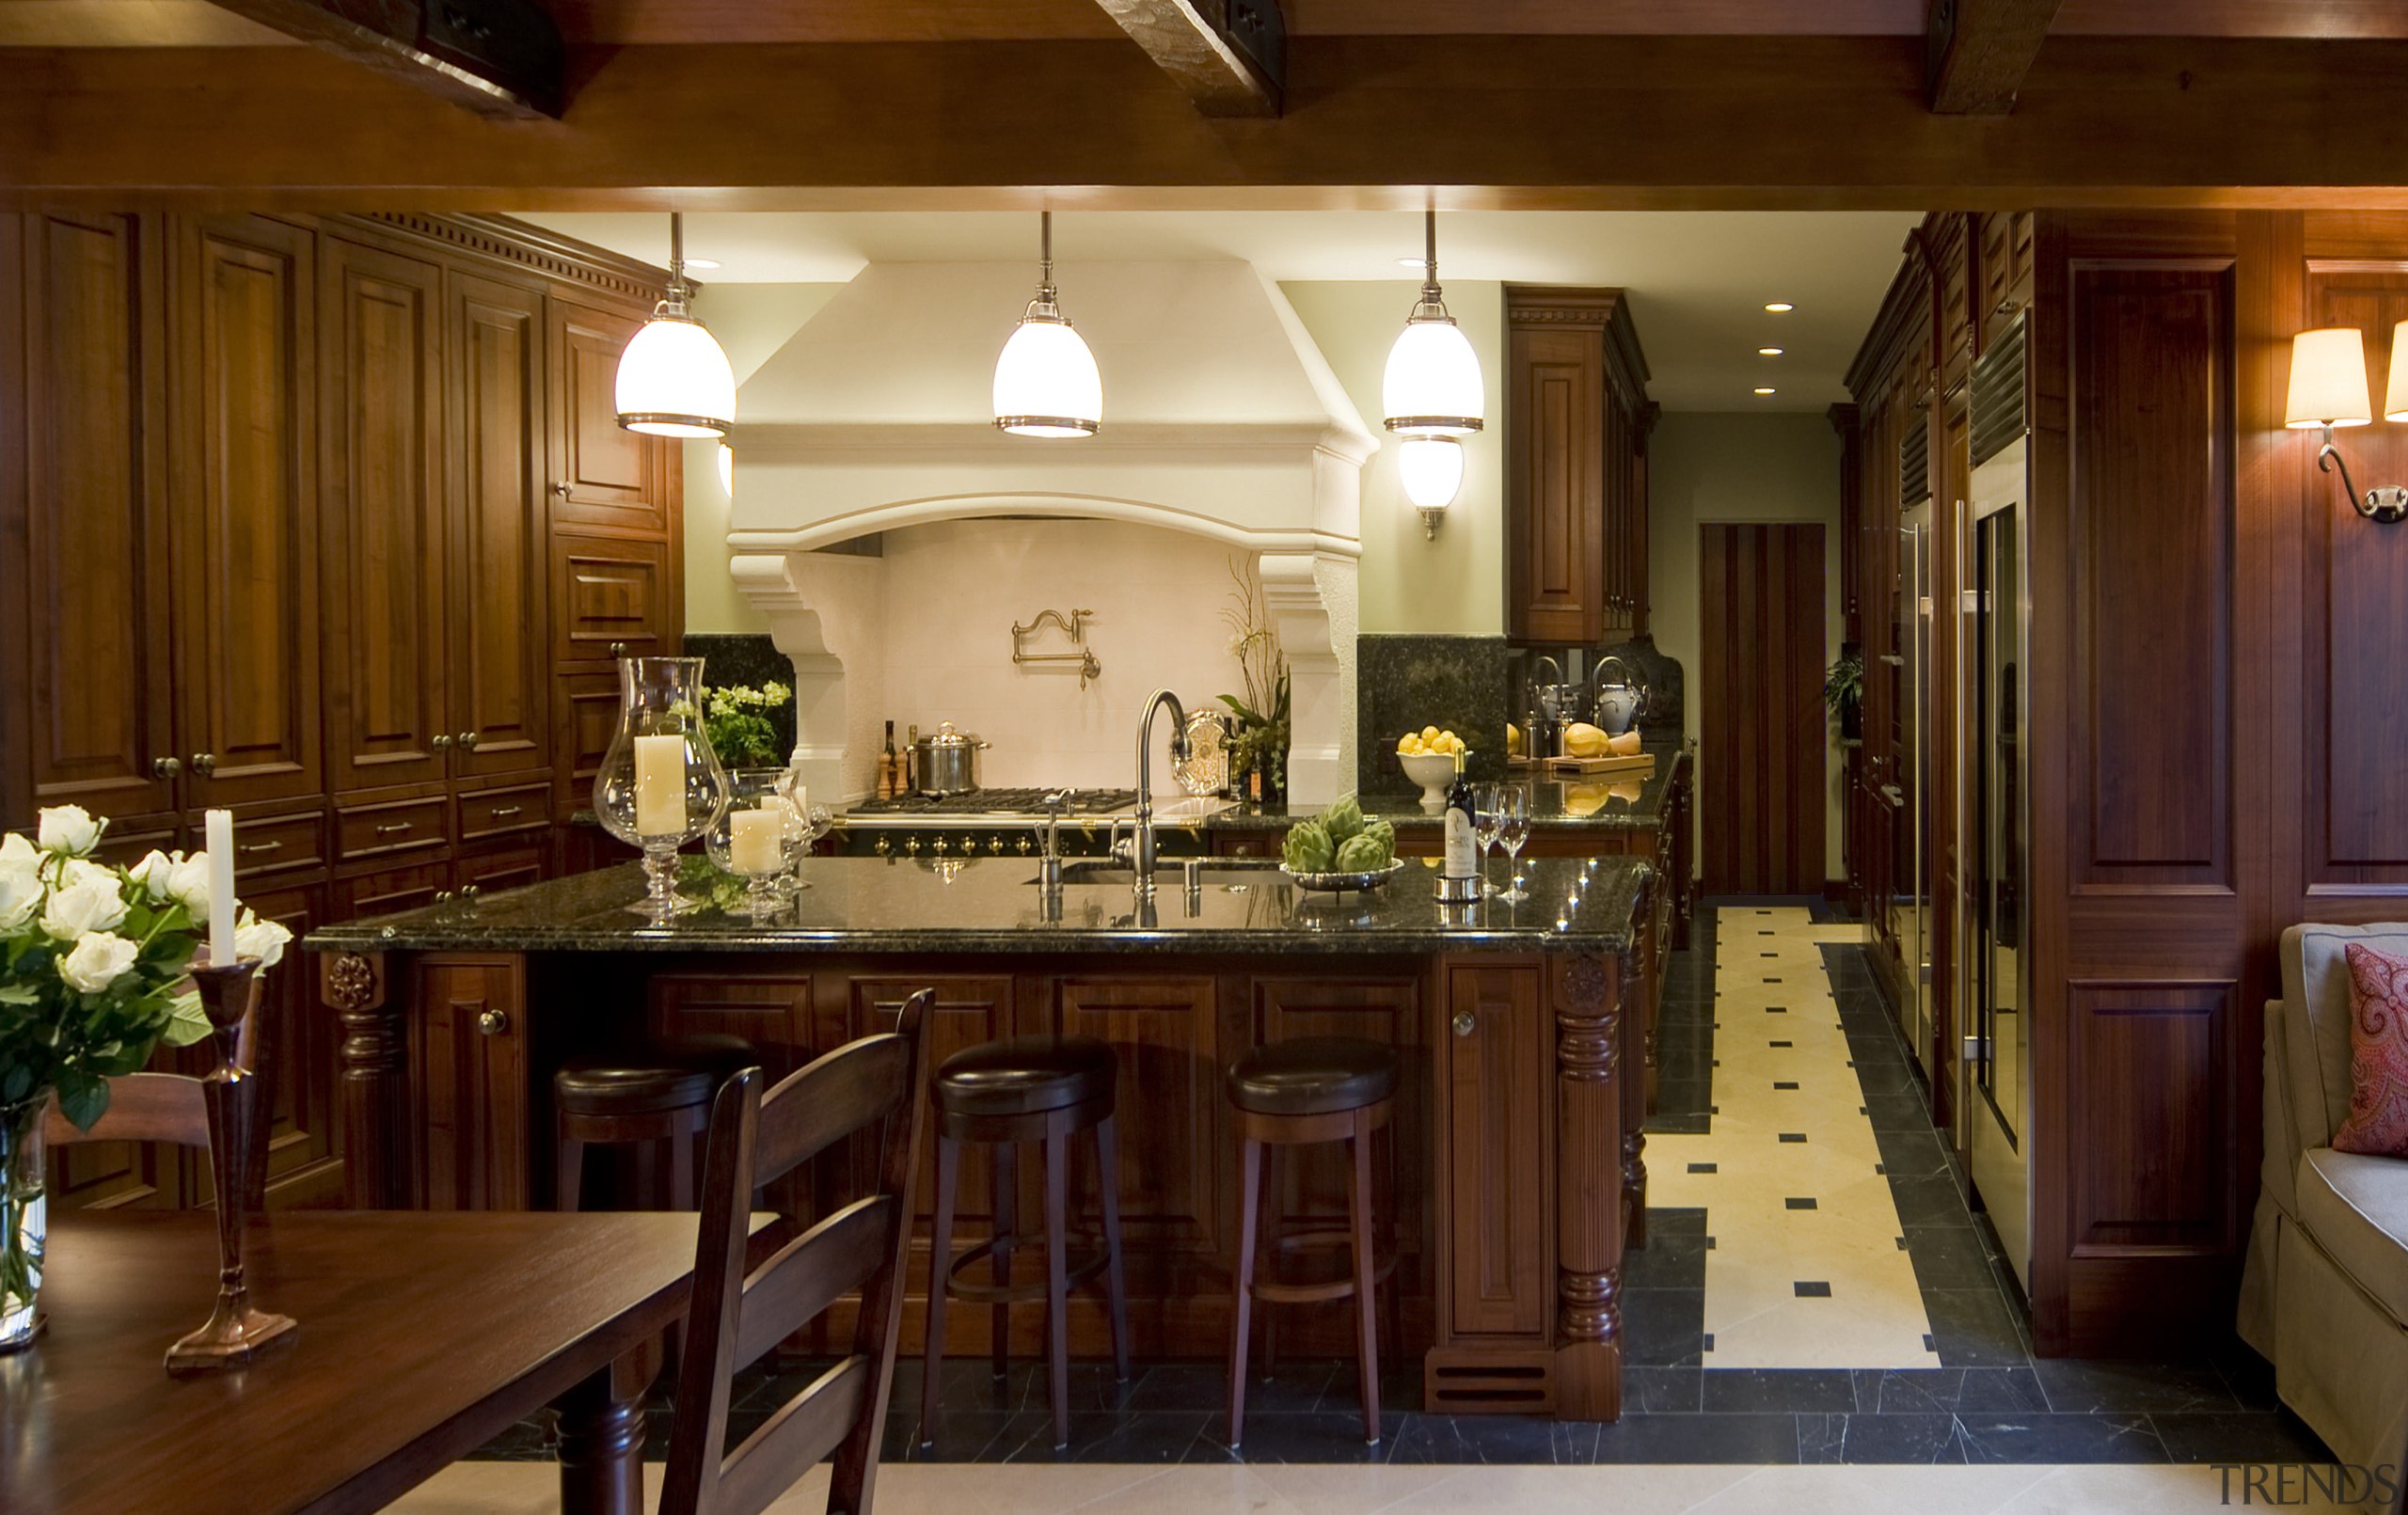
x,y
992,904
1610,802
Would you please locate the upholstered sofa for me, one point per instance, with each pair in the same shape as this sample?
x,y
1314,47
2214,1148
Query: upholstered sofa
x,y
2325,1294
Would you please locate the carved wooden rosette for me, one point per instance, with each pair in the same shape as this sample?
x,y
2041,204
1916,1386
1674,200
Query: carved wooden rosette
x,y
1586,996
374,1098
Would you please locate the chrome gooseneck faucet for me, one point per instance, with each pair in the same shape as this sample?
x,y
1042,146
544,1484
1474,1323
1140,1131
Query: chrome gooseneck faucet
x,y
1138,850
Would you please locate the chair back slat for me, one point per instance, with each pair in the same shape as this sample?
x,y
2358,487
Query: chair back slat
x,y
850,1088
875,1084
803,1431
812,1271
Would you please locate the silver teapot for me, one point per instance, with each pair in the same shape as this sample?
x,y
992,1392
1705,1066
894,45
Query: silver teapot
x,y
1619,700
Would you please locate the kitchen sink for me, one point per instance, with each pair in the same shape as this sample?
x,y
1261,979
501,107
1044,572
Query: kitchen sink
x,y
1171,874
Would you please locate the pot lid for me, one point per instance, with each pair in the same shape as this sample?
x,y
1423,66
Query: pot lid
x,y
946,737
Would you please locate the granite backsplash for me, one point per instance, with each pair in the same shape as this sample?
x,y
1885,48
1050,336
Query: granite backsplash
x,y
1404,683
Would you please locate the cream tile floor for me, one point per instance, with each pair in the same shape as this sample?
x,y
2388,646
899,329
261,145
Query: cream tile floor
x,y
1807,1270
1107,1488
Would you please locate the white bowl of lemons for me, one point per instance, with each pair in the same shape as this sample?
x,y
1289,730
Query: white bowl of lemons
x,y
1428,758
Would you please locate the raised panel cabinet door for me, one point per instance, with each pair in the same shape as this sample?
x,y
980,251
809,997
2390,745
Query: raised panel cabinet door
x,y
469,1056
585,711
603,475
381,363
97,562
1171,1134
613,599
969,1009
500,701
1554,500
1493,1068
242,401
1383,1008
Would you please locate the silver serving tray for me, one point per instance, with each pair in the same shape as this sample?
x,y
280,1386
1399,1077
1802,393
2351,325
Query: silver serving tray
x,y
1342,883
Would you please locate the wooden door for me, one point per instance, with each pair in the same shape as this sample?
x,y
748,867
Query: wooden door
x,y
380,353
499,703
468,1054
1493,1062
97,591
1555,494
1761,591
241,404
603,476
1170,1114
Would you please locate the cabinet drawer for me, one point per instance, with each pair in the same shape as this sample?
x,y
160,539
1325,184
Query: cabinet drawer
x,y
279,842
612,599
393,828
490,873
492,813
389,891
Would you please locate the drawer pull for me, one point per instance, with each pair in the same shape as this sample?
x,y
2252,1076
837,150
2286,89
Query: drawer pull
x,y
254,848
501,812
493,1022
1465,1023
396,828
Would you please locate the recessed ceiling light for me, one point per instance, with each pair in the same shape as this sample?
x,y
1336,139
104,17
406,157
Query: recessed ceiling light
x,y
1767,351
701,263
1779,308
1763,389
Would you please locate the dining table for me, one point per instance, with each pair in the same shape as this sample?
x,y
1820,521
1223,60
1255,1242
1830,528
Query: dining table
x,y
421,1336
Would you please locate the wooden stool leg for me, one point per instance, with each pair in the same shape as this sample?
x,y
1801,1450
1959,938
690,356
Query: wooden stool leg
x,y
1267,1228
1006,1191
1058,1276
1249,1207
1392,1306
1116,1278
1367,1332
681,1162
940,1269
568,1176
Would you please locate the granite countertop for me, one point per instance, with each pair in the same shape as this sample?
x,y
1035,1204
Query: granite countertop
x,y
1607,802
992,904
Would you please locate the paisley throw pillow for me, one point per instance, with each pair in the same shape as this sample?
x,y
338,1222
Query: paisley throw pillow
x,y
2377,1124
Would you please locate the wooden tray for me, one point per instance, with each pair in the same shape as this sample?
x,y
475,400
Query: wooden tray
x,y
1636,763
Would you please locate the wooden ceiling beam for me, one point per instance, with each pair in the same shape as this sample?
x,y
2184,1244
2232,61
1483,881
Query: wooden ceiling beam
x,y
1981,49
497,57
1229,56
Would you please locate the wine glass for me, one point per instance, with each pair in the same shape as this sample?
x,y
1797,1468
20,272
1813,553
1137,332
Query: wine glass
x,y
1513,829
1485,820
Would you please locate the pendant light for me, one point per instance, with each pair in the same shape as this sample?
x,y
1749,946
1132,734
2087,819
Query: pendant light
x,y
674,380
1433,385
1431,470
1046,383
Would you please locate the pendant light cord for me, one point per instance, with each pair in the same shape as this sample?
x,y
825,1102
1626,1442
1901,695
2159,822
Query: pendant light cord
x,y
1045,290
676,304
1432,305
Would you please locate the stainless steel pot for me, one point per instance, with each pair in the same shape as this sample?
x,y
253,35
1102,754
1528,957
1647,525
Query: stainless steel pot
x,y
948,762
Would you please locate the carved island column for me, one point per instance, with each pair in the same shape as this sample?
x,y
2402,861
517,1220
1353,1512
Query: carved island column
x,y
1586,995
375,1088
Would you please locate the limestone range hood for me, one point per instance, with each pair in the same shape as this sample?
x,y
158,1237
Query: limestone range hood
x,y
1221,421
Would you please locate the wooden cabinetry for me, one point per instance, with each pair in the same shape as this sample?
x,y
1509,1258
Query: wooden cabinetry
x,y
285,537
468,1074
1576,497
1494,1063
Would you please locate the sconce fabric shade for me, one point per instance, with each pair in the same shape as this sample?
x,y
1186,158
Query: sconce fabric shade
x,y
1046,383
674,380
2394,391
2328,379
1433,383
1432,469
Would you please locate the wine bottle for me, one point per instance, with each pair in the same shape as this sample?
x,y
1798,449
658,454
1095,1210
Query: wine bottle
x,y
910,766
1462,848
889,784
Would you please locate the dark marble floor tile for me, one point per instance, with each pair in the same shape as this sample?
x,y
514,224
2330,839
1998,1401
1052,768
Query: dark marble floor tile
x,y
1491,1439
1974,1328
1679,1122
1326,1436
2250,1377
1896,1112
2079,1386
1992,1438
1929,1199
959,1436
1139,1436
1662,1391
1911,1154
1674,1220
1748,1390
1724,1439
1920,1390
1673,1262
1664,1327
2236,1436
530,1441
1950,1257
1886,1078
1869,1438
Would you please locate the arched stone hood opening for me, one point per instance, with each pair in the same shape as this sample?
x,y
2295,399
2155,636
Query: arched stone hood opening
x,y
1221,421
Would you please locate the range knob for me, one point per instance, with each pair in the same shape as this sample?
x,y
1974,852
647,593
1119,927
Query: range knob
x,y
1023,848
912,845
995,846
881,846
940,846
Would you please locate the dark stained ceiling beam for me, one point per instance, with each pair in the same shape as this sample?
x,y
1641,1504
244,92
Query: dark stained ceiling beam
x,y
497,57
1229,56
1981,49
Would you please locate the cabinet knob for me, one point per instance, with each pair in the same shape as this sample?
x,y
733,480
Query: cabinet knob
x,y
471,891
618,649
561,487
442,896
467,741
204,763
1465,1023
441,743
165,768
493,1022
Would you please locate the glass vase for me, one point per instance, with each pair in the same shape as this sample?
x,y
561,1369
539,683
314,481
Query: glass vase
x,y
751,789
24,1221
661,785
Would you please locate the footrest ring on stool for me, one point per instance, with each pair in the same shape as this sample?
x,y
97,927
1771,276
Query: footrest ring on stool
x,y
1082,1268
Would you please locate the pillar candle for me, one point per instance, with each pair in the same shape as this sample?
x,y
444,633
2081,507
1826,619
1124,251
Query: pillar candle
x,y
218,842
661,785
755,840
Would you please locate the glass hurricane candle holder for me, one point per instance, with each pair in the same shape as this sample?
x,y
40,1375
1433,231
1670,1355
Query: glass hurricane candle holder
x,y
661,785
749,839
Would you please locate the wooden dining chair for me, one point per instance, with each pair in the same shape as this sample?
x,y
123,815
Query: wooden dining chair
x,y
171,1108
738,1312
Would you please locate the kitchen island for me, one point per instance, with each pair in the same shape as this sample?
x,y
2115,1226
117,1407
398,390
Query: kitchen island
x,y
1516,1167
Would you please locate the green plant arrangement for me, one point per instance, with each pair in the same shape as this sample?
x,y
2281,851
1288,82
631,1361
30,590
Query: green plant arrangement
x,y
1844,693
1262,712
92,980
735,718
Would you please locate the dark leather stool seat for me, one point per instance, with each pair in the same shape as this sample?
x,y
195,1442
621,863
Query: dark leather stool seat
x,y
1026,1076
1313,1076
640,1100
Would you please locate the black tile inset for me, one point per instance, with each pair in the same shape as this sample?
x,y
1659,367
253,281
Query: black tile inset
x,y
1704,1167
1793,1136
1784,1084
1811,1289
1779,1044
1796,1203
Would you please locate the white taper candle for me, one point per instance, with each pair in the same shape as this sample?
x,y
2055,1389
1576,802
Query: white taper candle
x,y
218,834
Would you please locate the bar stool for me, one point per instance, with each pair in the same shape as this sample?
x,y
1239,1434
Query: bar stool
x,y
1025,1089
1293,1093
646,1098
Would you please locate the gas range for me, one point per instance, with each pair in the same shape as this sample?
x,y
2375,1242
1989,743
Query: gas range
x,y
985,822
990,804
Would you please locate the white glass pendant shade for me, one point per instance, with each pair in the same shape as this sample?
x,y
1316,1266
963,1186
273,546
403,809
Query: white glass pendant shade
x,y
1046,383
1433,385
1432,469
2395,392
674,381
2328,379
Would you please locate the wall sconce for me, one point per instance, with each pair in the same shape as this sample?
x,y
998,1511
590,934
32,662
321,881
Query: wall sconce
x,y
2329,390
1433,470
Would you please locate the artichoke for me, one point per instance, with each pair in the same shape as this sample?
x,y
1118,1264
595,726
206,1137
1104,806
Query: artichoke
x,y
1385,834
1307,849
1360,854
1343,819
